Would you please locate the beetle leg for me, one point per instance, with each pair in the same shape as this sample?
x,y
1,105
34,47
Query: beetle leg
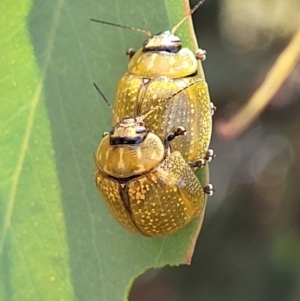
x,y
200,54
210,154
213,108
209,189
199,163
130,52
180,131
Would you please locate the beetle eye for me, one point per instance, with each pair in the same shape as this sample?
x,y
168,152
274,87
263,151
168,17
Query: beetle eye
x,y
145,43
140,130
111,132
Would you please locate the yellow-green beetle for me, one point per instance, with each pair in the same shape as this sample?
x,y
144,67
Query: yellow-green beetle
x,y
148,189
160,68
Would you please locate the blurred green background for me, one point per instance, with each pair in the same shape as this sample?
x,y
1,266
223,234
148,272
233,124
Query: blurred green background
x,y
249,246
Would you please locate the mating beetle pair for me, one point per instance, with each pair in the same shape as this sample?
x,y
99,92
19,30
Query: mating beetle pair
x,y
150,189
157,70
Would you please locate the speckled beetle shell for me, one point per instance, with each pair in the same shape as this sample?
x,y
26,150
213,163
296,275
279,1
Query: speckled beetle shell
x,y
148,189
156,71
190,109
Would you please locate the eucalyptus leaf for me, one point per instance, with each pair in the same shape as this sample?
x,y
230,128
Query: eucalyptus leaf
x,y
58,240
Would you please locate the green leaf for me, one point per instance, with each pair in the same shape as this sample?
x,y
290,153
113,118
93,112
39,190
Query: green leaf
x,y
57,238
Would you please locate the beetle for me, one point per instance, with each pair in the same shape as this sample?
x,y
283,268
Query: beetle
x,y
160,68
148,188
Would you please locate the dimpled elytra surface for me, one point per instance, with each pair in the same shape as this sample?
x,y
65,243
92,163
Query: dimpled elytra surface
x,y
189,108
167,199
158,203
110,190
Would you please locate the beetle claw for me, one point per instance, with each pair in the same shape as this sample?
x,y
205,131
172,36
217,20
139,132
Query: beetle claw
x,y
180,131
209,189
213,108
130,52
210,154
200,54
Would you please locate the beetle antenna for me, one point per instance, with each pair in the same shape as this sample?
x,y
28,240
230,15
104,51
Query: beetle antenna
x,y
107,102
142,117
146,32
173,30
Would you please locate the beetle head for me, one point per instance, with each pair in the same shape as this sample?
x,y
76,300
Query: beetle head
x,y
129,131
